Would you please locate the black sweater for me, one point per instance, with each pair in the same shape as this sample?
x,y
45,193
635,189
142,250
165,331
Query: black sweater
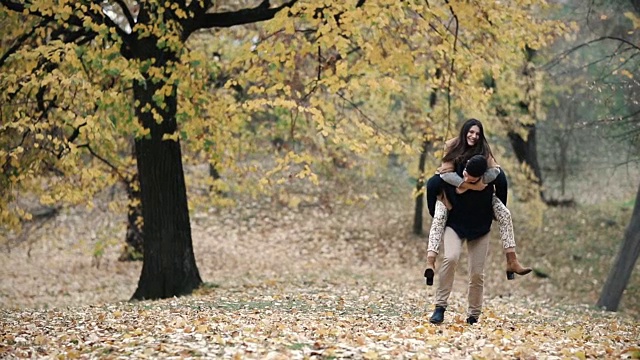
x,y
472,211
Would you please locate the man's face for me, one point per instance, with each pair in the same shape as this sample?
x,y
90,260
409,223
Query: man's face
x,y
470,179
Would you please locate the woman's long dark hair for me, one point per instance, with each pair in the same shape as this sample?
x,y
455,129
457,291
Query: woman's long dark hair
x,y
460,151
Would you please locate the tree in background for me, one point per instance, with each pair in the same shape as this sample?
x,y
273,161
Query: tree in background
x,y
590,95
334,81
144,57
592,102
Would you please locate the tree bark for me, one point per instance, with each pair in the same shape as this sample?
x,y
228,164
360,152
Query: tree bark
x,y
624,263
426,146
636,5
419,208
169,267
526,151
134,239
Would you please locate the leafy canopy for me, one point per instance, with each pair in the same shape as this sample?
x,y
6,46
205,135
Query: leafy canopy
x,y
335,80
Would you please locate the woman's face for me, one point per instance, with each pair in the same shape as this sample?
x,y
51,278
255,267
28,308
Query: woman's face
x,y
473,135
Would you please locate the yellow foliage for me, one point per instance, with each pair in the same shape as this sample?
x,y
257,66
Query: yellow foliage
x,y
336,87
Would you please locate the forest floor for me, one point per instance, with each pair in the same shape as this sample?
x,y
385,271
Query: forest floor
x,y
311,280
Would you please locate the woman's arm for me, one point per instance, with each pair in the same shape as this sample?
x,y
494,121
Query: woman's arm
x,y
456,180
448,174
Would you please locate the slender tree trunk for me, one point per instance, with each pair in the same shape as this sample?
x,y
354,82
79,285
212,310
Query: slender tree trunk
x,y
169,266
426,146
419,208
636,5
623,265
563,145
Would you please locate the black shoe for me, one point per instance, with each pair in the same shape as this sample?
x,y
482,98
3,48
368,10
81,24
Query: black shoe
x,y
438,315
472,320
428,274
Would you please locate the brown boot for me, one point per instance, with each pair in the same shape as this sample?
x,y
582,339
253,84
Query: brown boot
x,y
430,271
513,266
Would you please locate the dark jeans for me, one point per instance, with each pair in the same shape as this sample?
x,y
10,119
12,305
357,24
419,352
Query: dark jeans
x,y
434,187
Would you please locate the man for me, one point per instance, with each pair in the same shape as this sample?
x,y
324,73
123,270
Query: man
x,y
469,220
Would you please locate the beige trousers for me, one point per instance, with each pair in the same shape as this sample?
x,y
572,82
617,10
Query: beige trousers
x,y
477,255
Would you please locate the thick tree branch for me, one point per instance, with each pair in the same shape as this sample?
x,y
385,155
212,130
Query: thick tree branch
x,y
196,7
259,13
13,6
126,12
20,41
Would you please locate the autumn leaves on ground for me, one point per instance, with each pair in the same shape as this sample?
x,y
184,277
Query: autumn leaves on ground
x,y
314,281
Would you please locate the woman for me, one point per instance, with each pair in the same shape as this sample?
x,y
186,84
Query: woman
x,y
471,141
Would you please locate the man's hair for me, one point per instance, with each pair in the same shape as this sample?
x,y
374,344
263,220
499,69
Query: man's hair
x,y
477,165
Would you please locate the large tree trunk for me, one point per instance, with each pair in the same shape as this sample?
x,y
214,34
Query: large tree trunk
x,y
169,267
525,150
625,261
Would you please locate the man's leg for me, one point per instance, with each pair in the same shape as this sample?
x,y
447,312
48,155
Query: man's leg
x,y
478,249
452,248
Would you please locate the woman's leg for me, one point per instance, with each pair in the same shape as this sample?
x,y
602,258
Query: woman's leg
x,y
503,215
435,236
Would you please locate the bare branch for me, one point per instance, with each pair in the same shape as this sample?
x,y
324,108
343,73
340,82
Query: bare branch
x,y
565,54
452,69
364,116
629,118
114,168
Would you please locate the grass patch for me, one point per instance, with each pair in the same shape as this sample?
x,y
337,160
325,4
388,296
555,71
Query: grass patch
x,y
297,346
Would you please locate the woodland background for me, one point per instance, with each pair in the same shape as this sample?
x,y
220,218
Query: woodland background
x,y
303,145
